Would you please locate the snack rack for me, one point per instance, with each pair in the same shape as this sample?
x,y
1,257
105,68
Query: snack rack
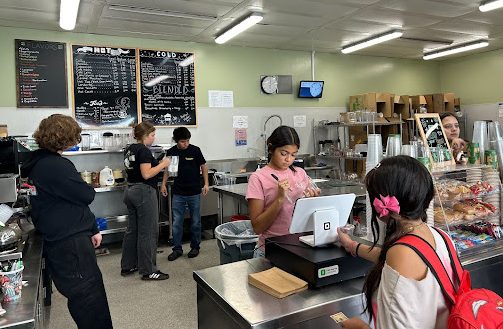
x,y
468,205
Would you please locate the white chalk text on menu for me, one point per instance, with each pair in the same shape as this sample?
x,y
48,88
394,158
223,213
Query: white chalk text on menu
x,y
167,88
41,74
104,86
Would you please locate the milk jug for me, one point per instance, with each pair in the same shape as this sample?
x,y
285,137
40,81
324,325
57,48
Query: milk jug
x,y
106,177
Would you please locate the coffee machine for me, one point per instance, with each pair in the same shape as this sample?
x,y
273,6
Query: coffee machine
x,y
12,156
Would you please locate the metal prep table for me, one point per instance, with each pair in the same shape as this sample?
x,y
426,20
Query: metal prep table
x,y
238,191
225,299
28,311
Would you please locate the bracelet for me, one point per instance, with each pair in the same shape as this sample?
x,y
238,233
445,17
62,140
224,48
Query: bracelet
x,y
357,247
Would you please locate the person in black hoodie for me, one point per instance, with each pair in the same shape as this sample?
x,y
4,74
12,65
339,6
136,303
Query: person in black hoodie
x,y
60,211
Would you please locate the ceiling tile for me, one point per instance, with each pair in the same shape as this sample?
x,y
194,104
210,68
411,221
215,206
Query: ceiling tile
x,y
439,9
306,7
148,27
397,18
468,27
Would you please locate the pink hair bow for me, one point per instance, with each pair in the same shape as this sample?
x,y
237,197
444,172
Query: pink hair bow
x,y
385,205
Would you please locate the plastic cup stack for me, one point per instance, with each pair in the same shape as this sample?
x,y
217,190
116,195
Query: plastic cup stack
x,y
374,152
374,156
496,141
492,177
480,136
393,145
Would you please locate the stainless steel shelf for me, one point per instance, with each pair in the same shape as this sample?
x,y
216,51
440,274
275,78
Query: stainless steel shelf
x,y
71,153
112,188
118,224
342,157
458,167
358,124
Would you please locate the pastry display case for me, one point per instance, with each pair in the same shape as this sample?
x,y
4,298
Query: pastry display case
x,y
467,205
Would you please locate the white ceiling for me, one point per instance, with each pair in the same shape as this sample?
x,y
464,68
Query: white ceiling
x,y
321,25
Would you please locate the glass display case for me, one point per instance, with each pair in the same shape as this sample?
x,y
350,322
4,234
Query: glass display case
x,y
467,205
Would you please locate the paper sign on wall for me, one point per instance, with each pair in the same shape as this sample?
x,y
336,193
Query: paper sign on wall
x,y
299,120
240,121
220,98
240,136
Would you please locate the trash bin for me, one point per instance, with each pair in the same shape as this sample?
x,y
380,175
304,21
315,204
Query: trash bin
x,y
236,241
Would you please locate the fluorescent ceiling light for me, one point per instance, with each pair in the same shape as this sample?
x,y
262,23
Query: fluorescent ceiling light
x,y
157,12
393,34
187,61
239,27
490,5
68,14
456,49
156,80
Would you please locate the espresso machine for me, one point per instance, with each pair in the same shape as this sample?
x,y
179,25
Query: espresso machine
x,y
12,156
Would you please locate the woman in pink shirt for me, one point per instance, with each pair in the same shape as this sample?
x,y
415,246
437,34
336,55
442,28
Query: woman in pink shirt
x,y
273,190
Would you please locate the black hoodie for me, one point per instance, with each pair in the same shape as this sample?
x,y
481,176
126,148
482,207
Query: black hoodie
x,y
60,209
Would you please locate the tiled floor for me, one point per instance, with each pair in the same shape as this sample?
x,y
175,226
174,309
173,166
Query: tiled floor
x,y
134,303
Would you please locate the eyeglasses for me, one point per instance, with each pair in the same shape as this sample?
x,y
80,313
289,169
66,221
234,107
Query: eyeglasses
x,y
450,126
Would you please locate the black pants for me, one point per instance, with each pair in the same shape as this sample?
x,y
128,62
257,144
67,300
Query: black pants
x,y
139,247
75,272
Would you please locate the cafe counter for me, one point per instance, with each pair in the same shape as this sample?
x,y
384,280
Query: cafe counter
x,y
225,299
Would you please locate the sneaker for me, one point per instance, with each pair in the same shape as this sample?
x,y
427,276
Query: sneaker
x,y
156,276
129,272
193,253
174,255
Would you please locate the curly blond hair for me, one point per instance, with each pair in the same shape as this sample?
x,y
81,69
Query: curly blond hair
x,y
57,132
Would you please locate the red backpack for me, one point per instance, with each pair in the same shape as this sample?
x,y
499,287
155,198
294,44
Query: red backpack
x,y
469,308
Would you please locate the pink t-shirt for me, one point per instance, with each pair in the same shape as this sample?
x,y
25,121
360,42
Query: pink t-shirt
x,y
263,186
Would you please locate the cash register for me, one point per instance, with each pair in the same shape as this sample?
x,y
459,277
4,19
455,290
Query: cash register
x,y
310,252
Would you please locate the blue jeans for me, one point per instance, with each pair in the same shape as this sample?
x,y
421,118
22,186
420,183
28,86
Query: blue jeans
x,y
179,203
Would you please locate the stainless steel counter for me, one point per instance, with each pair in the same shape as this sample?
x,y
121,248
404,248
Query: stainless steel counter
x,y
238,191
27,312
226,300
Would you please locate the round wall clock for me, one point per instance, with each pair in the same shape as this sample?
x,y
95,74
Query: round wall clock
x,y
269,84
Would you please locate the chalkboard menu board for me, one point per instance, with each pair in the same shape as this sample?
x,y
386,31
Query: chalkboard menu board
x,y
41,74
434,138
104,86
167,88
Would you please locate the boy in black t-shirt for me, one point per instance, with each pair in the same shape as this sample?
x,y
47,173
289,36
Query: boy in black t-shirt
x,y
186,191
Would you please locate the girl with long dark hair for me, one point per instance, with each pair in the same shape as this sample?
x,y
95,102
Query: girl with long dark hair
x,y
400,290
273,190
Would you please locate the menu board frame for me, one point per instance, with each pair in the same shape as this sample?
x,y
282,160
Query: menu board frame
x,y
421,119
64,77
157,121
97,125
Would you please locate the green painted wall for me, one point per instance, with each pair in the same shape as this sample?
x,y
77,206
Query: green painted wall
x,y
475,78
239,69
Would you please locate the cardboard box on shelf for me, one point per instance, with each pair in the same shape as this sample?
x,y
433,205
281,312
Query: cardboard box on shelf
x,y
3,131
363,102
401,105
384,103
449,102
416,102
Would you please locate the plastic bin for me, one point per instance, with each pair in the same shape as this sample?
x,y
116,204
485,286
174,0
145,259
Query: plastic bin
x,y
236,241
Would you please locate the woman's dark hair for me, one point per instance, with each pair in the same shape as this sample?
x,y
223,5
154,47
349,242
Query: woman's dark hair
x,y
57,132
181,133
447,114
410,183
143,129
281,136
